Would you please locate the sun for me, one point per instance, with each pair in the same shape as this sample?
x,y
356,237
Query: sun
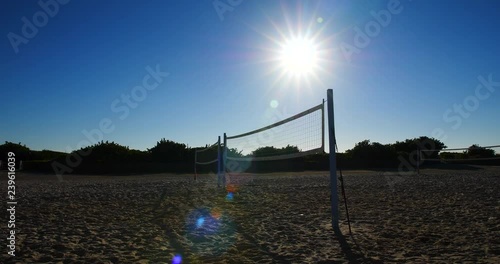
x,y
297,50
298,56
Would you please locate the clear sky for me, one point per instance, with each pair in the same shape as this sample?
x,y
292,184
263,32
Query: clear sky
x,y
394,77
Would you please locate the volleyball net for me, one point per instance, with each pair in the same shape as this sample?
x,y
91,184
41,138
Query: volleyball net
x,y
281,146
297,136
473,155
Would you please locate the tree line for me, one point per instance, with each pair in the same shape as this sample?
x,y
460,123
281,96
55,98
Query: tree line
x,y
178,157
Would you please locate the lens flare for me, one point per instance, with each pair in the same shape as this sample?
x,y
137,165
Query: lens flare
x,y
231,188
274,103
200,222
216,213
209,231
177,259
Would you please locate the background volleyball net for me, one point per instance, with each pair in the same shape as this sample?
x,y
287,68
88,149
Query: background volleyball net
x,y
208,159
473,155
293,137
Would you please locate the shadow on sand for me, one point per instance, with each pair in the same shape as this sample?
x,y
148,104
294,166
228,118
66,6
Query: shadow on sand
x,y
352,253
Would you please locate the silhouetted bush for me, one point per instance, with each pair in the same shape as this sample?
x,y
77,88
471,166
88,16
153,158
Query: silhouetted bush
x,y
112,152
21,151
425,144
170,151
370,155
169,156
475,151
273,151
46,155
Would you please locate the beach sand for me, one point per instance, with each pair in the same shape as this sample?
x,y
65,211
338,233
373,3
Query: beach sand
x,y
439,216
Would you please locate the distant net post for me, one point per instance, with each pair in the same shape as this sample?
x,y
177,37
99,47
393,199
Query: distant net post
x,y
333,164
209,157
195,159
224,162
219,161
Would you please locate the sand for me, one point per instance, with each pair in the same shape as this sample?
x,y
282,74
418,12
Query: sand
x,y
440,216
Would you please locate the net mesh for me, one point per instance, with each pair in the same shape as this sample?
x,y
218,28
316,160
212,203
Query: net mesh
x,y
297,136
207,155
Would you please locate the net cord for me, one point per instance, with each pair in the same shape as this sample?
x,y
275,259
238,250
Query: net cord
x,y
207,148
207,162
318,107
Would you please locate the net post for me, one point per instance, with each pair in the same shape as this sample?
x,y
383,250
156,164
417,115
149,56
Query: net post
x,y
219,157
224,161
323,127
195,157
333,164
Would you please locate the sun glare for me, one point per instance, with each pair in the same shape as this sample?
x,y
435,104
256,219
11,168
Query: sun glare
x,y
297,51
299,56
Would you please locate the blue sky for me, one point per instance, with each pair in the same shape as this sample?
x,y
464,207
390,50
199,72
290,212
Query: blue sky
x,y
408,81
